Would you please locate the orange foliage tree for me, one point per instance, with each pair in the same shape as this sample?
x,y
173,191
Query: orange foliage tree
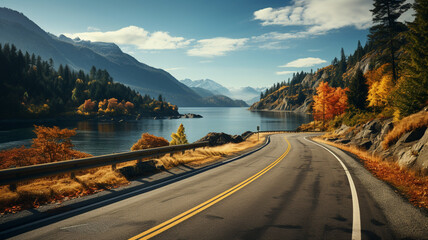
x,y
329,101
149,141
87,107
53,144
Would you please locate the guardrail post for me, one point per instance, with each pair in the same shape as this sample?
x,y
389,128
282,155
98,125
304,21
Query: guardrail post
x,y
113,166
12,187
140,160
73,175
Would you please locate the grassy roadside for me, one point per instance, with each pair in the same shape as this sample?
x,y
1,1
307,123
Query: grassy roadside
x,y
409,184
57,189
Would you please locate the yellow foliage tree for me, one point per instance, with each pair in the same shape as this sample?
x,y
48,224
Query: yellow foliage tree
x,y
380,91
179,137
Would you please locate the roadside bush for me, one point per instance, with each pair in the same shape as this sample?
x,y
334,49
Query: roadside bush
x,y
149,141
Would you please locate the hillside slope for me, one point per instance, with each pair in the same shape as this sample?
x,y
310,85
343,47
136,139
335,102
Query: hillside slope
x,y
17,29
297,94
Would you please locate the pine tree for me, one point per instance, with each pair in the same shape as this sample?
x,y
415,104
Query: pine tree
x,y
412,90
179,137
386,27
358,90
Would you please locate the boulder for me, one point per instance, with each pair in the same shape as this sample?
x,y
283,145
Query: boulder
x,y
407,159
216,139
421,164
342,130
246,135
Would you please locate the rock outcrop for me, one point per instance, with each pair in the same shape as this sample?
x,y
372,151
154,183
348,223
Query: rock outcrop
x,y
409,151
216,139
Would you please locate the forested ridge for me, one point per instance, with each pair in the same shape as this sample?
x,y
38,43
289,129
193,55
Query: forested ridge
x,y
388,77
30,87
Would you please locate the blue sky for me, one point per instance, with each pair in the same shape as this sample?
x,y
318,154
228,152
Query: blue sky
x,y
236,43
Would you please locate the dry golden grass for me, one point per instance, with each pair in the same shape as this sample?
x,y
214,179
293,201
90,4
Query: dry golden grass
x,y
209,154
408,183
405,125
56,189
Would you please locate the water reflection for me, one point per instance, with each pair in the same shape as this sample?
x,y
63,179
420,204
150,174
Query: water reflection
x,y
108,137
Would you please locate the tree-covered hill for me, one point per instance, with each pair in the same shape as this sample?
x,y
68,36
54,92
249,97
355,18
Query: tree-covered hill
x,y
32,88
17,29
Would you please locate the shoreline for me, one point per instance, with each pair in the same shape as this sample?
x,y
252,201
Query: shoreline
x,y
267,110
127,118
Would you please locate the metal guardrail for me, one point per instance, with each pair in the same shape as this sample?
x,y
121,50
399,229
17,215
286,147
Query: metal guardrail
x,y
12,176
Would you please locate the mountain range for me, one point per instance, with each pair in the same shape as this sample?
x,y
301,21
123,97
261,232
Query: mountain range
x,y
208,87
27,36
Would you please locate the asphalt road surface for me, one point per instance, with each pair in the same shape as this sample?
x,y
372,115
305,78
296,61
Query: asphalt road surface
x,y
290,189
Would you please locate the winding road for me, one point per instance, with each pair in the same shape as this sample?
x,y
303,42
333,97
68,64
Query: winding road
x,y
292,188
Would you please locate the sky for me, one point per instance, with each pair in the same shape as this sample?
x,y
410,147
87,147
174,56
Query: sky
x,y
235,43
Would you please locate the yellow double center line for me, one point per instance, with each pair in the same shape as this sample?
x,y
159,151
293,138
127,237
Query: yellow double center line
x,y
201,207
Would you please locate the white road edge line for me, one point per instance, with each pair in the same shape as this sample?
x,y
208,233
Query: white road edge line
x,y
356,220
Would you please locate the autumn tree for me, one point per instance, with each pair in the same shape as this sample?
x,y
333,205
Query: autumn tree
x,y
386,27
412,90
53,144
358,91
329,102
149,141
379,92
87,107
179,137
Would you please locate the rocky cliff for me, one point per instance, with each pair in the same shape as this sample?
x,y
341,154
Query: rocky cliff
x,y
410,150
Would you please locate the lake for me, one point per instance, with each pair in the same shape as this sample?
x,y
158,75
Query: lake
x,y
98,138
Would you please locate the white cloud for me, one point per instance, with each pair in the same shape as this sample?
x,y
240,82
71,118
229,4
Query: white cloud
x,y
92,29
304,62
273,46
133,35
319,16
216,46
285,72
276,36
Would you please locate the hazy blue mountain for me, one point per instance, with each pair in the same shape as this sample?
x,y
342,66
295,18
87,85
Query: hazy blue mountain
x,y
207,84
17,29
248,94
224,101
202,92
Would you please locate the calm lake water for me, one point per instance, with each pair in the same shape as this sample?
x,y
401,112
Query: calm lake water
x,y
99,138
